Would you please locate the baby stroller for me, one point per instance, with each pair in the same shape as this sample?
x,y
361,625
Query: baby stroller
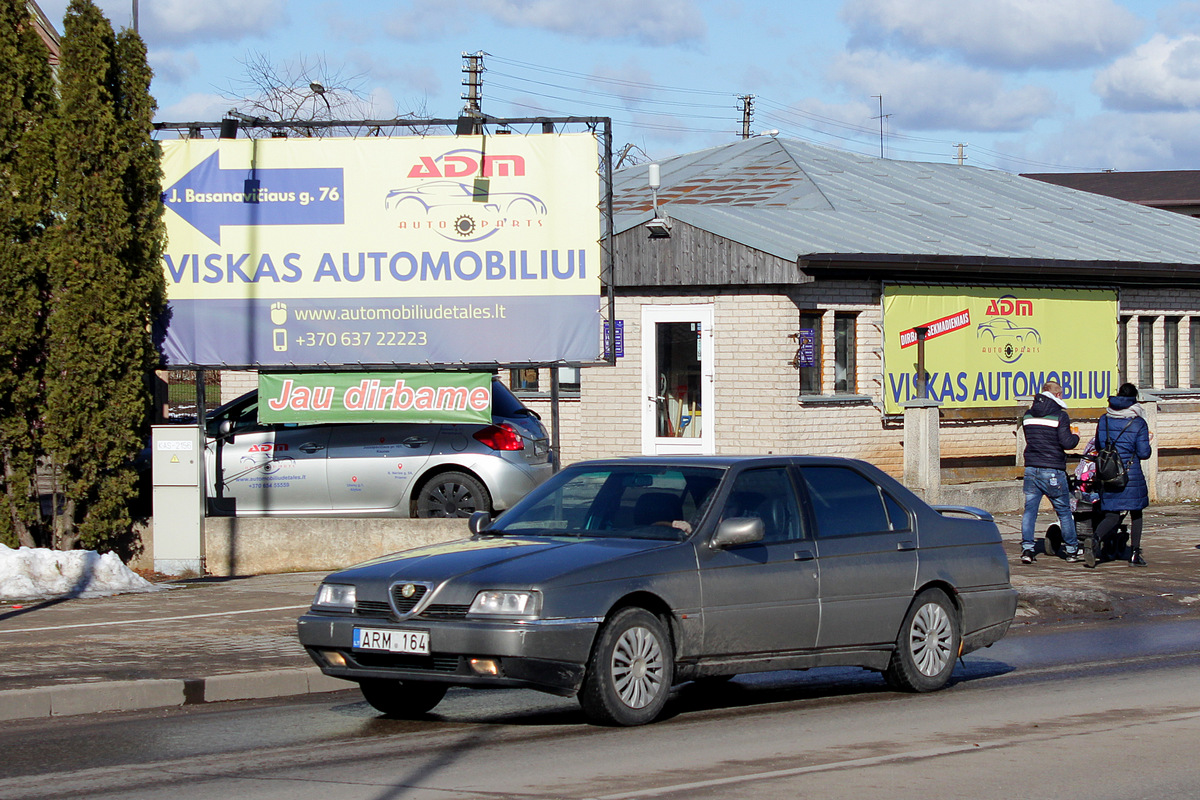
x,y
1085,508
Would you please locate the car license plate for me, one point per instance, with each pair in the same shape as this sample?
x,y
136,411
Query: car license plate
x,y
392,641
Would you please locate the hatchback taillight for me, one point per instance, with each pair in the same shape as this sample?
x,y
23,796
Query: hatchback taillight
x,y
501,437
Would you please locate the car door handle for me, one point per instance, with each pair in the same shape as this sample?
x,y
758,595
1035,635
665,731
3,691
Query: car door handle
x,y
803,555
311,447
906,544
415,441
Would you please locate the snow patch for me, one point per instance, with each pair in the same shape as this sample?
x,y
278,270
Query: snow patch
x,y
41,574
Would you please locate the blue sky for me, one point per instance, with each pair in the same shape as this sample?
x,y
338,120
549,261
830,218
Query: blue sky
x,y
1026,85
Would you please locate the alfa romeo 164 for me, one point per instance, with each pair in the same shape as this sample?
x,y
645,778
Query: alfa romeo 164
x,y
615,580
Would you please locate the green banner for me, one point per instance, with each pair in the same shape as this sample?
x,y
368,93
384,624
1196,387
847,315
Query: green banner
x,y
437,397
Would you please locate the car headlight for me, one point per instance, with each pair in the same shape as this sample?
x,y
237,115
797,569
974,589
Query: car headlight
x,y
335,595
507,604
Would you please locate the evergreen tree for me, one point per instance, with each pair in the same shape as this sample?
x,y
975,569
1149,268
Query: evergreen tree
x,y
26,183
104,277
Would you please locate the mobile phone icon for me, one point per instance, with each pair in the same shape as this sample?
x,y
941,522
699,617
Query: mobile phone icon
x,y
280,340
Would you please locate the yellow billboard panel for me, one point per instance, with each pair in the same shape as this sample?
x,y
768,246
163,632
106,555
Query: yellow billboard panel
x,y
995,346
418,250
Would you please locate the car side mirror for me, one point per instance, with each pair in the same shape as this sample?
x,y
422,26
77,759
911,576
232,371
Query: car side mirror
x,y
225,429
738,530
479,521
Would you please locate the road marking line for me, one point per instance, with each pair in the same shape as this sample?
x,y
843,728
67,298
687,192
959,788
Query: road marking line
x,y
869,761
143,621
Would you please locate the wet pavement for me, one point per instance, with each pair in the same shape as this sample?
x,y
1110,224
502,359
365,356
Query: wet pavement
x,y
235,638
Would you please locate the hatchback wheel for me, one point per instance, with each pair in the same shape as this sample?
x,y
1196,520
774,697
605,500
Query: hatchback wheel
x,y
402,698
927,646
630,671
452,494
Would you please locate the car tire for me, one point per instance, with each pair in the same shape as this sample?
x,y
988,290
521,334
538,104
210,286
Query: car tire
x,y
630,671
402,698
927,646
452,494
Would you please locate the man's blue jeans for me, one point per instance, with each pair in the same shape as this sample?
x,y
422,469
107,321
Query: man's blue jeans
x,y
1053,484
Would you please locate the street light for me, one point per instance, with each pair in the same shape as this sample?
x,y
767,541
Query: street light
x,y
319,91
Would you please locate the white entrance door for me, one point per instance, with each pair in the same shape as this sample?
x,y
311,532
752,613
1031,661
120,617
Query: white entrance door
x,y
677,380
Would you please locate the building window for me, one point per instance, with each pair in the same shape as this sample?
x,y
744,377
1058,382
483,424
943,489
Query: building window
x,y
808,354
523,380
1145,351
1171,352
1123,350
568,379
844,345
1194,348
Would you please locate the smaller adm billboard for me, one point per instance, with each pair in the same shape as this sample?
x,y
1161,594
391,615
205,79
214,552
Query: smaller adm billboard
x,y
410,250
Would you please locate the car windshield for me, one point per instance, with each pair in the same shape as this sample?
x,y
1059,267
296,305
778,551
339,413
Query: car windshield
x,y
635,501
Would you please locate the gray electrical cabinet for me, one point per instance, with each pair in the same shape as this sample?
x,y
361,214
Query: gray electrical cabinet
x,y
177,464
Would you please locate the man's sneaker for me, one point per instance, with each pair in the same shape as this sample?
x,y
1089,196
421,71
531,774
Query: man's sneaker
x,y
1027,556
1072,556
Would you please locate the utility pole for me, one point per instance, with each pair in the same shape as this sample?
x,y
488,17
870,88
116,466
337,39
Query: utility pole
x,y
472,113
961,158
747,101
135,16
881,119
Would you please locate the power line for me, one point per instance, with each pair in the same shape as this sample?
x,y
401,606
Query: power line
x,y
637,110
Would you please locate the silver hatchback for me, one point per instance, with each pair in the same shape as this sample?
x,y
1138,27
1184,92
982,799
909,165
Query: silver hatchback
x,y
373,469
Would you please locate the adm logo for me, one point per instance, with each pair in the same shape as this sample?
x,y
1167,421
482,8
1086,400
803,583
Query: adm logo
x,y
464,211
1003,337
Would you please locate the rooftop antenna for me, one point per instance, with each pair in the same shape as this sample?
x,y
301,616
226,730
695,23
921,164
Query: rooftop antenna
x,y
881,119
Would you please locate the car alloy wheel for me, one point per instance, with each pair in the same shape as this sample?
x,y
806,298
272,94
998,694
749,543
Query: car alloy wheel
x,y
930,639
452,494
630,671
927,646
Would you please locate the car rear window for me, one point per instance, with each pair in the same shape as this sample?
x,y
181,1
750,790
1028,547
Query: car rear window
x,y
504,402
844,502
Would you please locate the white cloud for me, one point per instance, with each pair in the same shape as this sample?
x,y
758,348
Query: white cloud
x,y
223,20
663,22
198,107
1162,74
173,66
1018,34
1126,142
930,95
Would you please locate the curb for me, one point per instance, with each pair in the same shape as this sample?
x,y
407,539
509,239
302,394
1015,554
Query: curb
x,y
91,698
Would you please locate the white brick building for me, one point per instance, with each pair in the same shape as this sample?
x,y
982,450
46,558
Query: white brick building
x,y
769,238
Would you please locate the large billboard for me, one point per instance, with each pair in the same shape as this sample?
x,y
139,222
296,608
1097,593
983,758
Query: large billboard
x,y
407,250
995,346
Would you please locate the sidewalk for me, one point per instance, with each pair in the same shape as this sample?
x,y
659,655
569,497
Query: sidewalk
x,y
235,638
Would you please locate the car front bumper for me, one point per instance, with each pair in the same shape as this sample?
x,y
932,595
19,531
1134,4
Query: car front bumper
x,y
548,655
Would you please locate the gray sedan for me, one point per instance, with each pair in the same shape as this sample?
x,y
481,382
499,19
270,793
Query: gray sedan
x,y
617,579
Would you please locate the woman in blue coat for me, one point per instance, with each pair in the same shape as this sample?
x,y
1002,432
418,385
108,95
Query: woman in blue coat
x,y
1123,424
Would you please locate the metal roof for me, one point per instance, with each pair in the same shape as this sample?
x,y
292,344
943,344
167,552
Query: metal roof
x,y
1161,189
793,200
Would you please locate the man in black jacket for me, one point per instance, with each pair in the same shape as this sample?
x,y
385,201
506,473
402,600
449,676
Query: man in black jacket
x,y
1048,437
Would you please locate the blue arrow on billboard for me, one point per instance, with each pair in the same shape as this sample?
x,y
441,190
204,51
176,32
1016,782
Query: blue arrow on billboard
x,y
209,197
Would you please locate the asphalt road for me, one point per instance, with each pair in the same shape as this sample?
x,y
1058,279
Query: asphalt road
x,y
1104,710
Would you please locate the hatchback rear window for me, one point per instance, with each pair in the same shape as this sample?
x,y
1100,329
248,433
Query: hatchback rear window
x,y
504,402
